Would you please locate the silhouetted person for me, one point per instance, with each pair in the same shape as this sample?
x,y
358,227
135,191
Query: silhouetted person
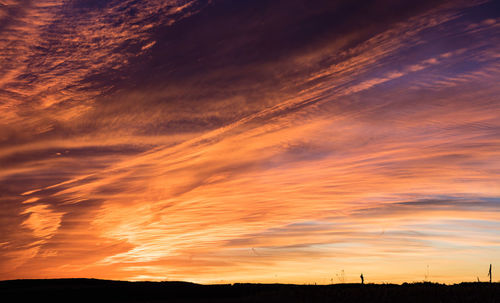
x,y
362,279
489,273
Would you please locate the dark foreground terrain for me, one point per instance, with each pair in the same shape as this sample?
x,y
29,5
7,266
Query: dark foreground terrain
x,y
90,290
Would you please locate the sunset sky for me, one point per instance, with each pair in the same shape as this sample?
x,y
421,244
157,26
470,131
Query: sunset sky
x,y
222,141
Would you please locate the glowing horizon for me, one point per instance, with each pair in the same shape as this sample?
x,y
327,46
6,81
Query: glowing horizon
x,y
223,142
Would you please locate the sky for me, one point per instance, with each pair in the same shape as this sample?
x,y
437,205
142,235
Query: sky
x,y
223,141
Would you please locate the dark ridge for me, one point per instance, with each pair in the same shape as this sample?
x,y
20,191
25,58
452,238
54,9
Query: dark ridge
x,y
94,290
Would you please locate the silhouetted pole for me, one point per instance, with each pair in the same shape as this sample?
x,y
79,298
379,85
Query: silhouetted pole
x,y
362,279
489,273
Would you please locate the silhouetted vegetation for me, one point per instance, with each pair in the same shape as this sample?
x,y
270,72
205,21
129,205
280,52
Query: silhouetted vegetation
x,y
90,290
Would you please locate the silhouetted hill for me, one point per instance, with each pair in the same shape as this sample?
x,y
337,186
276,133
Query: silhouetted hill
x,y
92,290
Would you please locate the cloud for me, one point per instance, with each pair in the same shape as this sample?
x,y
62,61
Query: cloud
x,y
42,221
197,140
